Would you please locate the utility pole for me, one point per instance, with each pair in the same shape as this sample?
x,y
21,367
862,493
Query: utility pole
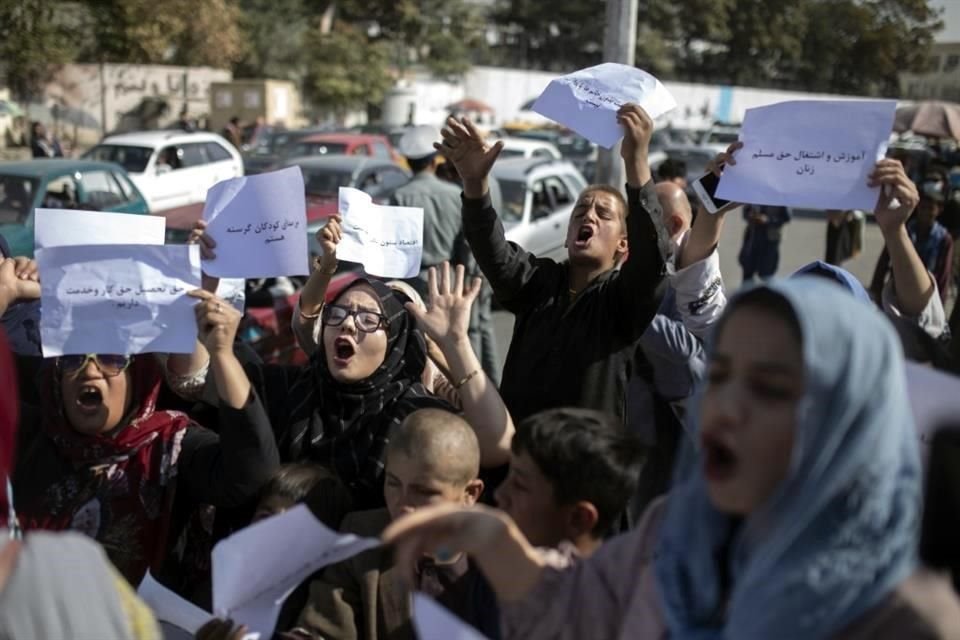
x,y
619,45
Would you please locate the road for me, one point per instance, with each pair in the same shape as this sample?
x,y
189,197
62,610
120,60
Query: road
x,y
804,240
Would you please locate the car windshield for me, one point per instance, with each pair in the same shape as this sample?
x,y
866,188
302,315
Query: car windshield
x,y
321,183
16,198
317,148
133,159
514,195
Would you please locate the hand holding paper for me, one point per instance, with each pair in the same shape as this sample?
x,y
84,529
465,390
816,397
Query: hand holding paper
x,y
388,241
259,224
588,100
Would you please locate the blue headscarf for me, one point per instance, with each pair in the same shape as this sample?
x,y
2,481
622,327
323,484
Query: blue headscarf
x,y
840,532
841,276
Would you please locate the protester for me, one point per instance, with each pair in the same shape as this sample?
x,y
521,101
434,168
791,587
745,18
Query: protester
x,y
56,585
365,377
930,238
797,517
432,458
98,457
760,254
577,321
232,133
844,235
673,171
572,474
42,145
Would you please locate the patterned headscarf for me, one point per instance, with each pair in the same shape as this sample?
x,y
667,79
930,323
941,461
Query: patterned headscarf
x,y
840,532
346,426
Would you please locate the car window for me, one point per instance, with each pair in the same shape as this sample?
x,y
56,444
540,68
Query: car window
x,y
514,195
542,153
100,191
129,191
511,153
194,154
170,157
360,150
316,149
549,195
327,184
134,159
380,150
61,193
17,194
217,153
391,178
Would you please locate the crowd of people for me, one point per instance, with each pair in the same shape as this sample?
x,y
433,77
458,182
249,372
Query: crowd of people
x,y
658,461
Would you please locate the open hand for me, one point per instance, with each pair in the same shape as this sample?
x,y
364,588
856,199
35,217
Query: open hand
x,y
217,322
447,317
329,237
888,174
464,146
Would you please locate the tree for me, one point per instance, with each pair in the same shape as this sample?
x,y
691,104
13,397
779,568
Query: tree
x,y
187,32
33,44
275,33
345,70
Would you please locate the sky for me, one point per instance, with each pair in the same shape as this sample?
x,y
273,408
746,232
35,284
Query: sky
x,y
951,20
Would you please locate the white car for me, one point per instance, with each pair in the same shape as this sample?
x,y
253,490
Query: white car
x,y
172,169
538,198
720,136
526,148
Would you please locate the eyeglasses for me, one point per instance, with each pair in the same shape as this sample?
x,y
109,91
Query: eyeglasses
x,y
366,321
109,365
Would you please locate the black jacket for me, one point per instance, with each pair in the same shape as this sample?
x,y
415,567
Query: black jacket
x,y
570,353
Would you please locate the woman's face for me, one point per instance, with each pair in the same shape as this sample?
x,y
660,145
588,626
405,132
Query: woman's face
x,y
93,402
352,353
749,410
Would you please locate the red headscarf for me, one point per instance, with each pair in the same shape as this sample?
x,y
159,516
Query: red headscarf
x,y
115,487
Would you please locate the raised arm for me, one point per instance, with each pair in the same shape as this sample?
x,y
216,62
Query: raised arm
x,y
306,317
705,234
445,321
507,267
19,282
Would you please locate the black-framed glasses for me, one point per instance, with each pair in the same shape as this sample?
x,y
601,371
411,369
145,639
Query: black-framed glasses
x,y
366,321
109,365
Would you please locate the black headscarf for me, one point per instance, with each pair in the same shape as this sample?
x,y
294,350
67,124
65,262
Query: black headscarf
x,y
347,426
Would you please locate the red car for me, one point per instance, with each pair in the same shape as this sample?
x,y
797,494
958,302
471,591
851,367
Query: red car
x,y
347,144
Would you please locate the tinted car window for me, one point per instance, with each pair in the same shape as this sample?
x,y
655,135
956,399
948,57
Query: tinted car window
x,y
194,154
134,159
129,192
17,194
325,183
380,150
100,190
542,153
216,153
514,195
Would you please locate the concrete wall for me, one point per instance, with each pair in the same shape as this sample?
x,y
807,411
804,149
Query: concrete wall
x,y
277,101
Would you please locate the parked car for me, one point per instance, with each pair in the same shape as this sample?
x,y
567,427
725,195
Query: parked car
x,y
350,144
538,198
270,150
525,148
720,136
172,169
60,184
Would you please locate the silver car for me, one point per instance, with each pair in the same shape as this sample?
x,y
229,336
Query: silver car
x,y
538,198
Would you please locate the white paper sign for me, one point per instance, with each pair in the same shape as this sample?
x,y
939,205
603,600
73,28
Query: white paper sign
x,y
934,400
254,570
70,227
118,299
170,608
433,622
387,241
812,154
587,100
260,226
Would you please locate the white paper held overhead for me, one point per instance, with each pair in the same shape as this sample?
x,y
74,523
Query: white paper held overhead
x,y
70,227
254,570
587,101
813,154
118,299
259,224
433,622
387,241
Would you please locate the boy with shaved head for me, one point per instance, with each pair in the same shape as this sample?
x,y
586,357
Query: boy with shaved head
x,y
432,458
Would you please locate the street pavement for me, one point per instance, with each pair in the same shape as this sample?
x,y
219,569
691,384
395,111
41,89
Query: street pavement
x,y
804,240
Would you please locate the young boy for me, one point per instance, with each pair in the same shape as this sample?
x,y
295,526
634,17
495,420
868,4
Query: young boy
x,y
572,474
432,457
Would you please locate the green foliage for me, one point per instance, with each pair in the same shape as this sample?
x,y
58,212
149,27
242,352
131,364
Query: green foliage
x,y
346,70
33,43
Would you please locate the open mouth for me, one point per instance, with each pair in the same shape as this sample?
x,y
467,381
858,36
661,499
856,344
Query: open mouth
x,y
584,235
89,398
343,350
719,460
